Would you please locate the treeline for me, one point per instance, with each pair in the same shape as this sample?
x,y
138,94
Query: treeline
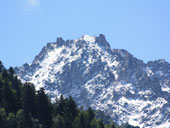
x,y
21,106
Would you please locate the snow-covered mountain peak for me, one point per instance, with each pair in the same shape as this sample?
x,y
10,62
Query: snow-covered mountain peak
x,y
88,38
111,80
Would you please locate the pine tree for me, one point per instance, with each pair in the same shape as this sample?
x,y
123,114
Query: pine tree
x,y
2,117
93,124
72,107
100,124
5,74
58,122
1,92
1,67
17,85
21,121
9,101
61,105
112,125
11,71
44,108
91,114
29,99
82,120
11,121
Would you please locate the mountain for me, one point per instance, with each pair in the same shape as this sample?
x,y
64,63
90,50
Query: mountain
x,y
110,80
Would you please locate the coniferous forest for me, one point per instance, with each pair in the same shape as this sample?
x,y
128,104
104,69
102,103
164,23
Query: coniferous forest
x,y
21,106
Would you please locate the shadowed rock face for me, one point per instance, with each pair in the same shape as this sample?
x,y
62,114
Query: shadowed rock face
x,y
111,80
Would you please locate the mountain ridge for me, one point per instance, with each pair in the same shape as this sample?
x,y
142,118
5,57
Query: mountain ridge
x,y
111,80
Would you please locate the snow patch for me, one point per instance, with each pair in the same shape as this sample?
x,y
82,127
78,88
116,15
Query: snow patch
x,y
88,38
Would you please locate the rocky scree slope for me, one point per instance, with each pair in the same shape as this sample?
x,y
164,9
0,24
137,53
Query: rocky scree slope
x,y
111,80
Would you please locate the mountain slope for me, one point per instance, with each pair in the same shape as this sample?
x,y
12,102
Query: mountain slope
x,y
111,80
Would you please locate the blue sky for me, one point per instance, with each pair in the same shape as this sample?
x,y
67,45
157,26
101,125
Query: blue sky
x,y
140,26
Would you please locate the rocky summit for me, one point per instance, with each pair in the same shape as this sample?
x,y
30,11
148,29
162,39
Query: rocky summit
x,y
111,80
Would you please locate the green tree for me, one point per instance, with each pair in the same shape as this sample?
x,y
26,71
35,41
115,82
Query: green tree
x,y
93,124
72,108
58,122
9,101
100,124
2,117
82,121
17,85
61,105
90,117
1,66
112,125
70,112
26,121
11,121
44,108
5,74
91,114
79,121
11,71
21,121
35,123
1,92
29,99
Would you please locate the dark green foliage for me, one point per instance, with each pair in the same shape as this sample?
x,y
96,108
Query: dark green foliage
x,y
112,125
91,114
82,123
28,99
61,104
44,108
128,126
11,121
21,106
9,101
5,74
93,124
100,124
58,122
2,117
11,71
21,120
1,66
71,108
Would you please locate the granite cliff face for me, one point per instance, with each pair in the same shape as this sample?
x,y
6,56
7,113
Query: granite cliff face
x,y
111,80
